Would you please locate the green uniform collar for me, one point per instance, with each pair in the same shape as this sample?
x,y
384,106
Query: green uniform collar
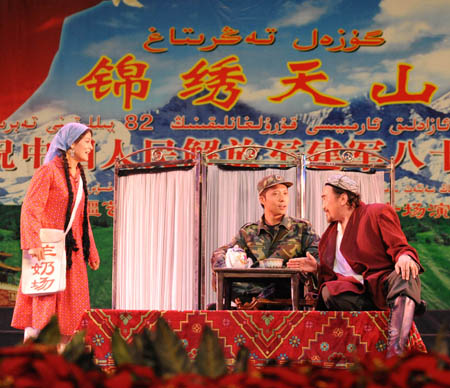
x,y
286,222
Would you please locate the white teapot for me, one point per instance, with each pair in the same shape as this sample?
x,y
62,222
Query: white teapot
x,y
237,258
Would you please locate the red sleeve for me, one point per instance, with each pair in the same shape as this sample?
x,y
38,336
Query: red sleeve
x,y
93,253
393,236
33,207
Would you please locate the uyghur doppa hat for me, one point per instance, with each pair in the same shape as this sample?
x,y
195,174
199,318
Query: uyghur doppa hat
x,y
343,182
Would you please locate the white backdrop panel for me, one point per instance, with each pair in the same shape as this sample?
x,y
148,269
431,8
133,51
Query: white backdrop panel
x,y
156,264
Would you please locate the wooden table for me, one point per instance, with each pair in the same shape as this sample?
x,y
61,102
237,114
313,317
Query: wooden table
x,y
226,276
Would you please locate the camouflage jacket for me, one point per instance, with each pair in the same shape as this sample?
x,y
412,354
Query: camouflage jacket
x,y
293,237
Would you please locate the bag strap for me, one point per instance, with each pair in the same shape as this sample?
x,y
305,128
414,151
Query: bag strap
x,y
77,202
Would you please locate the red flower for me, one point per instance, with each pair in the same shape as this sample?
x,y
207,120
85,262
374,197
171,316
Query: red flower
x,y
339,378
190,381
38,366
127,376
287,376
422,370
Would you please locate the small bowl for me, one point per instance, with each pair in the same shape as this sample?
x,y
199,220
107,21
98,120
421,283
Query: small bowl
x,y
271,263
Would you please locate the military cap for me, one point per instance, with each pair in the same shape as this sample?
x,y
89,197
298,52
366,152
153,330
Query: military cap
x,y
272,180
343,182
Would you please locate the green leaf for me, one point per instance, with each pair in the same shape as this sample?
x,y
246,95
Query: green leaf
x,y
440,345
76,353
50,334
241,364
122,352
142,350
210,360
75,348
148,352
170,352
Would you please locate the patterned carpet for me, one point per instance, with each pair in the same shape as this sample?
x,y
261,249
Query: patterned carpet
x,y
333,338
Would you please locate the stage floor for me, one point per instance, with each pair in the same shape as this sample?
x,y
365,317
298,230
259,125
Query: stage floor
x,y
333,338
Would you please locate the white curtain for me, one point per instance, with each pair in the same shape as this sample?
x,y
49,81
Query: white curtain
x,y
156,263
232,201
371,189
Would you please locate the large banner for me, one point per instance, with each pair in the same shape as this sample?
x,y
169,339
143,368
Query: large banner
x,y
300,76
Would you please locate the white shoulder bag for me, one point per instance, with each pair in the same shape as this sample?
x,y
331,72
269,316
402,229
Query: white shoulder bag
x,y
49,275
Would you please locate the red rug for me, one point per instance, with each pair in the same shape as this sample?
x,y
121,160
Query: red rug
x,y
333,338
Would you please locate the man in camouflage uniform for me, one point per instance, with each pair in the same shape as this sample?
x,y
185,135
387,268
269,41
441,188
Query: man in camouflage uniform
x,y
275,235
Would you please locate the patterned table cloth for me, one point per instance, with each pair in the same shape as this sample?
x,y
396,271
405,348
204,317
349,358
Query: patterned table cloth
x,y
331,338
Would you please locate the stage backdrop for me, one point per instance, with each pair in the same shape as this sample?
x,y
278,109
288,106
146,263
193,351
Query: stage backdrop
x,y
300,76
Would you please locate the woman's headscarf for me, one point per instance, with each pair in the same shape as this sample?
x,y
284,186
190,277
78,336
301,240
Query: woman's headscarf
x,y
65,137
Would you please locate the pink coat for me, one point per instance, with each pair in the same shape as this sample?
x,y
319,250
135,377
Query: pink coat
x,y
372,243
45,207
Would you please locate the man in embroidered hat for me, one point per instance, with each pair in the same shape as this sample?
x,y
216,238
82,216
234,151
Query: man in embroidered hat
x,y
366,262
48,204
275,235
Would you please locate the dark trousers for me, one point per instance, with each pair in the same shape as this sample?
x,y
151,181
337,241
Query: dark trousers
x,y
266,288
394,286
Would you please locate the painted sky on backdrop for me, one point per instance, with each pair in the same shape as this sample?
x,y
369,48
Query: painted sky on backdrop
x,y
416,32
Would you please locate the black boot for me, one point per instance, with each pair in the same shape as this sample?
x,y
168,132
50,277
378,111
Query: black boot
x,y
400,322
421,308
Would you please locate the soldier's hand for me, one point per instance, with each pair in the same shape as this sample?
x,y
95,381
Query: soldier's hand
x,y
304,264
406,267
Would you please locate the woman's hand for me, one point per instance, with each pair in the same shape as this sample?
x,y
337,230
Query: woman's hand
x,y
94,264
37,253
